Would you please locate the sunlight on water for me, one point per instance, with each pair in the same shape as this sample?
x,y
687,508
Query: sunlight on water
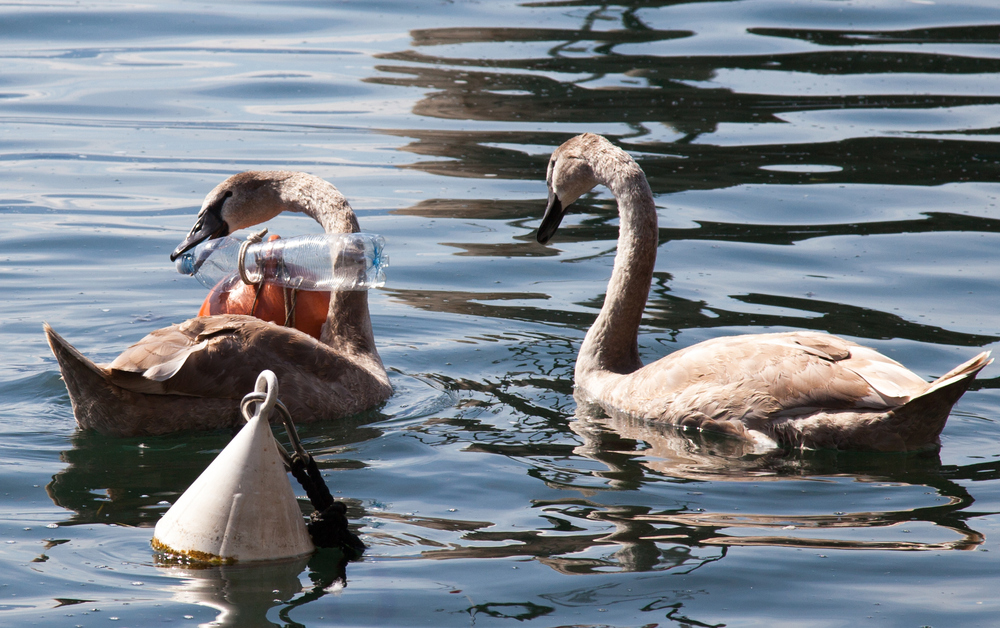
x,y
815,165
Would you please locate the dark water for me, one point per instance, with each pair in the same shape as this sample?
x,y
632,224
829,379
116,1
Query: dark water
x,y
825,165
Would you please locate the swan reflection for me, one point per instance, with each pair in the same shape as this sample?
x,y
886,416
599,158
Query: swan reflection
x,y
133,481
625,445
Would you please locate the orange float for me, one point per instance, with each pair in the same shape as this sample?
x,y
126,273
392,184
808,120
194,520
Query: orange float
x,y
305,310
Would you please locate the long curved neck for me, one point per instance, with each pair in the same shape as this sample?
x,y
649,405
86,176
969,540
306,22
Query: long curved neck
x,y
319,200
611,344
348,327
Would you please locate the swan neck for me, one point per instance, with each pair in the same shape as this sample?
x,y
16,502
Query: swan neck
x,y
319,200
611,344
348,327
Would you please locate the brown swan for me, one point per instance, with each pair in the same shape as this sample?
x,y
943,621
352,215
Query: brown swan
x,y
796,389
193,375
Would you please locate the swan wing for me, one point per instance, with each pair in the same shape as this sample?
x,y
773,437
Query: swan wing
x,y
753,378
218,356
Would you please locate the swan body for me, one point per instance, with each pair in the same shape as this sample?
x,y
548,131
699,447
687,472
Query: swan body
x,y
194,374
797,389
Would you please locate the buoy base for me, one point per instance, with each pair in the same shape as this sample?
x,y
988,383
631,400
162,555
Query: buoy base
x,y
170,556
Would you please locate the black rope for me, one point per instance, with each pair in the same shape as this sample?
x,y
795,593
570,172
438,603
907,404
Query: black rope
x,y
328,522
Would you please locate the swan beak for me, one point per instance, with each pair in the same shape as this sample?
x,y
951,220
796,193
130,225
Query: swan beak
x,y
209,225
550,221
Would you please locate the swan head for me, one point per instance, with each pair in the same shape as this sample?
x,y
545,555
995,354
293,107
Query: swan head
x,y
243,200
570,175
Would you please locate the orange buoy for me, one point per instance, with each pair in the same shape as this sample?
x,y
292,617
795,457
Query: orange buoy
x,y
305,310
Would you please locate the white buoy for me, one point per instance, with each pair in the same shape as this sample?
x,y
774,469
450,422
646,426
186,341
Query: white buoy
x,y
241,508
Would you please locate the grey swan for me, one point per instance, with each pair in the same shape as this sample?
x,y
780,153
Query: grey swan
x,y
795,390
192,376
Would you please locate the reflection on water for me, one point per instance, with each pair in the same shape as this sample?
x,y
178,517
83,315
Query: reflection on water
x,y
631,448
810,173
672,313
632,546
608,524
243,594
95,489
600,76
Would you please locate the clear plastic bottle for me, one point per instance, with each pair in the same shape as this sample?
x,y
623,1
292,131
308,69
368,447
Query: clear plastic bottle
x,y
329,261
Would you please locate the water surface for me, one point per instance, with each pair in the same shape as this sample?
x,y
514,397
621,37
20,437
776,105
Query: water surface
x,y
816,164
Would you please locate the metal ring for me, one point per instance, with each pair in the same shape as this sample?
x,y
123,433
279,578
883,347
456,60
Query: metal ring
x,y
241,257
256,397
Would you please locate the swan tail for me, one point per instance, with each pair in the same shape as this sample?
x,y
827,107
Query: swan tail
x,y
966,371
93,396
101,404
920,420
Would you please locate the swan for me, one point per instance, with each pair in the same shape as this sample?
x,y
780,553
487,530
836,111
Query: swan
x,y
796,390
193,375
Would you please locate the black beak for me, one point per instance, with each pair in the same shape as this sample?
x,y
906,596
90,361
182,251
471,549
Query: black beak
x,y
550,221
209,225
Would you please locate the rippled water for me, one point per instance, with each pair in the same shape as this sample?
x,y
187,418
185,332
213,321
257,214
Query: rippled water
x,y
826,165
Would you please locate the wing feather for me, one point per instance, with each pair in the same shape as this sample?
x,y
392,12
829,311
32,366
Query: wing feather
x,y
195,358
756,378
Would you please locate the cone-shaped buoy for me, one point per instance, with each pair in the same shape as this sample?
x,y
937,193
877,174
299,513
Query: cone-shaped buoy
x,y
242,507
